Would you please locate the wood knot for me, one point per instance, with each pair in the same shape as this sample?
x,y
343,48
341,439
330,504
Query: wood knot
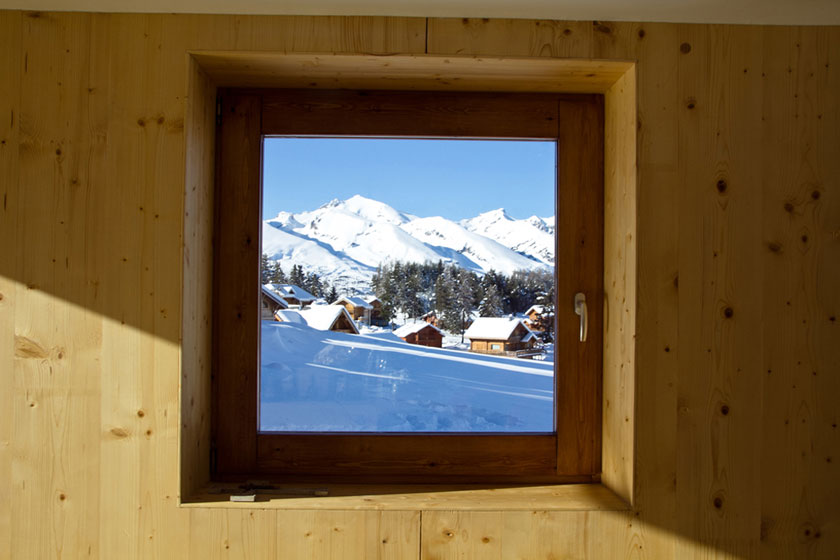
x,y
602,28
140,413
641,33
815,195
804,238
567,32
721,186
789,207
58,151
685,48
119,432
141,122
774,247
160,120
718,502
690,103
62,497
728,312
485,540
448,533
724,409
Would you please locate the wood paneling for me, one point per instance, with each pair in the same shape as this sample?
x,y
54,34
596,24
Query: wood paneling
x,y
420,73
10,55
736,440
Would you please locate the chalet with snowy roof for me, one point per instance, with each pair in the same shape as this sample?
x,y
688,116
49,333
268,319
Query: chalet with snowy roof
x,y
430,317
499,335
376,309
538,318
357,307
320,317
422,333
293,295
270,303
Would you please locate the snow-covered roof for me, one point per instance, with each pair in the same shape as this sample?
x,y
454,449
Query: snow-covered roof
x,y
411,328
493,328
539,310
289,316
355,302
370,298
529,336
272,295
291,291
322,317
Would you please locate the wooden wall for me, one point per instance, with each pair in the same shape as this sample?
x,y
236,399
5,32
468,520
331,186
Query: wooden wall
x,y
738,337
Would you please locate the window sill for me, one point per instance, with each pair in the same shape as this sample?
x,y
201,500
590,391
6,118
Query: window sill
x,y
564,497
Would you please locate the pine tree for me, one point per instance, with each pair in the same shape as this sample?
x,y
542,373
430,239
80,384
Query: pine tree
x,y
265,269
332,295
491,304
296,276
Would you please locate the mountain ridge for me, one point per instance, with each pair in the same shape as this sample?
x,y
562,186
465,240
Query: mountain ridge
x,y
344,241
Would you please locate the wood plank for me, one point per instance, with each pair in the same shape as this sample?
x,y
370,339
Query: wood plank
x,y
511,37
579,242
557,497
335,535
720,283
218,534
387,113
800,256
236,291
655,327
401,72
525,534
620,238
141,292
10,64
197,291
56,373
408,458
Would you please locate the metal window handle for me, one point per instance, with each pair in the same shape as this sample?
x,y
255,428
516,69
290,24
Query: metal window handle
x,y
580,309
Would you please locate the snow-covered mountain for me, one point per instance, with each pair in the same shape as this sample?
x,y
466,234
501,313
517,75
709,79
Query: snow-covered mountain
x,y
533,237
344,241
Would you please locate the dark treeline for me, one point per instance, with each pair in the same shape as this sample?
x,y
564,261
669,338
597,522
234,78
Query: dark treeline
x,y
415,289
455,293
272,273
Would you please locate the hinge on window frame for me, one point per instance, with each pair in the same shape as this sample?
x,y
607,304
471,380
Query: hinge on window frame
x,y
219,110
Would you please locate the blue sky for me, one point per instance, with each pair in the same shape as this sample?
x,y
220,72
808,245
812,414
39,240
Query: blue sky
x,y
451,178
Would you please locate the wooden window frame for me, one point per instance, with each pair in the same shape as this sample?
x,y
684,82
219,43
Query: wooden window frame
x,y
572,453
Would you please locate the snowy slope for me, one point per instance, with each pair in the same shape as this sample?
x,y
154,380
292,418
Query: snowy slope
x,y
327,381
483,252
531,237
344,241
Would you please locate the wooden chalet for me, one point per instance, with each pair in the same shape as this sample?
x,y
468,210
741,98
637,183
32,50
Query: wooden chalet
x,y
357,307
293,295
430,317
270,303
375,310
321,317
538,318
422,333
499,335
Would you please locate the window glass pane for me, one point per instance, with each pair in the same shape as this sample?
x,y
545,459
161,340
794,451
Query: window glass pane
x,y
408,285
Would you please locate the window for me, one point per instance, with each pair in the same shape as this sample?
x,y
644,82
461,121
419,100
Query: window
x,y
571,452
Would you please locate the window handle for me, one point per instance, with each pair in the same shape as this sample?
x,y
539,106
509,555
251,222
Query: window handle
x,y
580,309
